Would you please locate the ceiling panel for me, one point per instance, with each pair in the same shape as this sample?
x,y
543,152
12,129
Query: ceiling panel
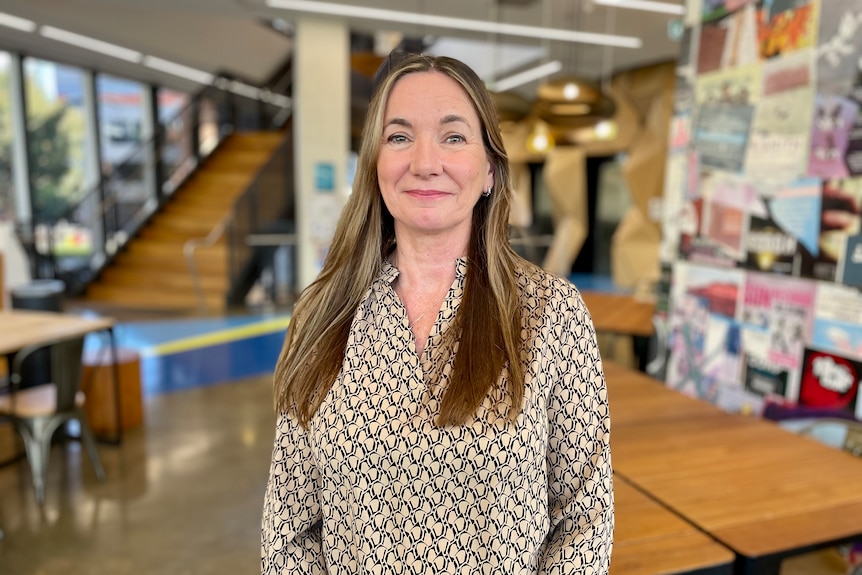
x,y
230,35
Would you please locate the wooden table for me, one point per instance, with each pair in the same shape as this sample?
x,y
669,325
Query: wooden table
x,y
650,540
619,313
762,491
21,328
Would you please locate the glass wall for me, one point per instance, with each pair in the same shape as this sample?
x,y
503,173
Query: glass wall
x,y
7,184
57,136
121,121
178,155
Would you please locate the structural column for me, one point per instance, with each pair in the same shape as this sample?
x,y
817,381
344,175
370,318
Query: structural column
x,y
321,89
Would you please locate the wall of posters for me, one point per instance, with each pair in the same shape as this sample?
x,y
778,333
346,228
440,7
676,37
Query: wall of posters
x,y
763,207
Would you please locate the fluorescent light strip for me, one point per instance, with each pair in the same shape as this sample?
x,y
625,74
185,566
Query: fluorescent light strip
x,y
277,99
645,5
11,21
91,44
136,57
178,70
242,89
326,8
522,78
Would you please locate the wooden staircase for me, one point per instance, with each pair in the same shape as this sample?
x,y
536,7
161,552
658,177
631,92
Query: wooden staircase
x,y
151,273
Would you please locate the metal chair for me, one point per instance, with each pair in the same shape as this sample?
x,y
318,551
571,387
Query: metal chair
x,y
38,411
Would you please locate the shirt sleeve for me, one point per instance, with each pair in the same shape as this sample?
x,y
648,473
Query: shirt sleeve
x,y
580,479
291,526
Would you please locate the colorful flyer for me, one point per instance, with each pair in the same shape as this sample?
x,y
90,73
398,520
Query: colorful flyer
x,y
829,381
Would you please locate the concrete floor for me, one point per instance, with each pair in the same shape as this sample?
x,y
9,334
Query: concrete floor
x,y
183,494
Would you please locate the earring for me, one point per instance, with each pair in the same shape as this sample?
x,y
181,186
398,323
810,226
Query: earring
x,y
487,192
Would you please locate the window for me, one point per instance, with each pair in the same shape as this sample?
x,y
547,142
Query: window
x,y
175,118
7,184
121,120
57,136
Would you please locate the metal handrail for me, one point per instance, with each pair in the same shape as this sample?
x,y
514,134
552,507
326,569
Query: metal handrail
x,y
189,249
252,192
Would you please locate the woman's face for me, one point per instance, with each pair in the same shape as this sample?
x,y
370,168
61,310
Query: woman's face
x,y
432,166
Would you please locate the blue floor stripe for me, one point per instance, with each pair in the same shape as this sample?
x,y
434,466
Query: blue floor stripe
x,y
251,357
246,356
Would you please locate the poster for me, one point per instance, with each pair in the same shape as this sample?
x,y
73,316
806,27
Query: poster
x,y
838,320
839,219
829,381
728,36
782,310
779,141
838,47
683,99
784,26
834,118
705,347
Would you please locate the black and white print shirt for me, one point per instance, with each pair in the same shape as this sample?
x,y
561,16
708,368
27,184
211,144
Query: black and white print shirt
x,y
375,487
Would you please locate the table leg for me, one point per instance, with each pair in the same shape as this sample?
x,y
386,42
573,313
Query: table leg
x,y
768,565
118,409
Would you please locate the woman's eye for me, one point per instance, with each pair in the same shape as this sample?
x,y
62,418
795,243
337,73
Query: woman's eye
x,y
396,139
455,138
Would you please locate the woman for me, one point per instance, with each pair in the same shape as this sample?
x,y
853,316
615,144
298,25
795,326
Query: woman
x,y
441,401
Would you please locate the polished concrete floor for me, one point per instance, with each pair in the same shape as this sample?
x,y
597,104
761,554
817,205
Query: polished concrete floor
x,y
183,493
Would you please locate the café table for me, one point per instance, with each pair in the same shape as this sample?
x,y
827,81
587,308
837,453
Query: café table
x,y
651,540
760,490
620,313
21,328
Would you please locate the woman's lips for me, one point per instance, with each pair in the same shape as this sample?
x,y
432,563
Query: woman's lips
x,y
429,194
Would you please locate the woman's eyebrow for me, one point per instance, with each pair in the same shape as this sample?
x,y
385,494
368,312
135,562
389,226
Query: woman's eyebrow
x,y
398,122
451,118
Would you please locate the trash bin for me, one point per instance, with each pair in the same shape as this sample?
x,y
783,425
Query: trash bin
x,y
38,295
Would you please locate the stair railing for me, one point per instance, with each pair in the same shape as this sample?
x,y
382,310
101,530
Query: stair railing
x,y
268,199
101,220
190,247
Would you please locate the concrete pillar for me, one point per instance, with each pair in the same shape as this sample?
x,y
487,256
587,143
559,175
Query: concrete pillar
x,y
321,89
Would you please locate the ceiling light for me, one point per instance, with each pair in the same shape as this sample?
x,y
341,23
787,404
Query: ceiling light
x,y
540,140
605,130
178,70
241,89
90,44
18,23
571,91
526,76
447,22
645,5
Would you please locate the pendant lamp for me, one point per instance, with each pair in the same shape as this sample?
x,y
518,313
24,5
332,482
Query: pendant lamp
x,y
573,103
511,107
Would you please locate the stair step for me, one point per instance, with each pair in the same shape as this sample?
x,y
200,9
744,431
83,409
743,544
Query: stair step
x,y
132,276
253,141
152,273
156,263
197,226
213,212
152,298
157,247
167,234
239,159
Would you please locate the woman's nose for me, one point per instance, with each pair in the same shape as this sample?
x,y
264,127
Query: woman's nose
x,y
425,159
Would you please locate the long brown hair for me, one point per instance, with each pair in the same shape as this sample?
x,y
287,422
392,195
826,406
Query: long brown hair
x,y
488,321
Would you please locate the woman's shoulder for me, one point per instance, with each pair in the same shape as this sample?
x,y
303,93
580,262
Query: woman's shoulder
x,y
534,281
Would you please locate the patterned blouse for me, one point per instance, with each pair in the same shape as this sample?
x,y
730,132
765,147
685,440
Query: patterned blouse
x,y
374,486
